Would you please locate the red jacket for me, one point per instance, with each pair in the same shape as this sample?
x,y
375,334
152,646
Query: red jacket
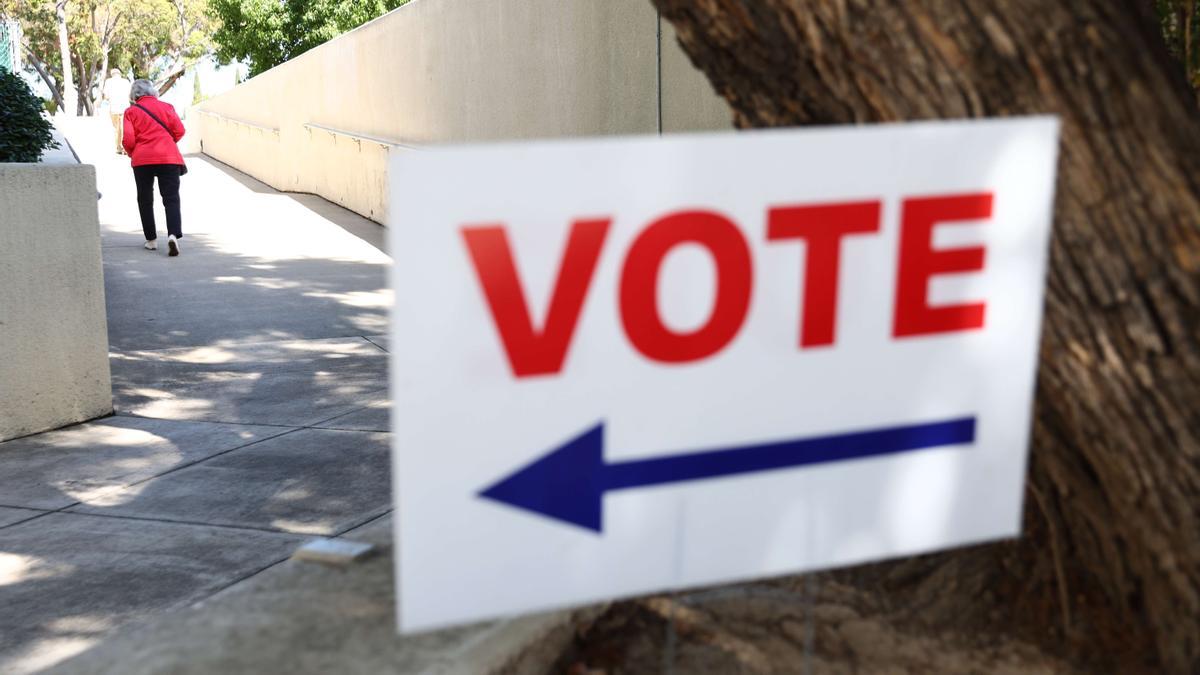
x,y
145,140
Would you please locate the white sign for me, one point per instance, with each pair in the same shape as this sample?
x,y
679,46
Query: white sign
x,y
624,366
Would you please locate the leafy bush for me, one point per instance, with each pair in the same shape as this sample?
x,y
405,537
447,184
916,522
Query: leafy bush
x,y
266,33
24,132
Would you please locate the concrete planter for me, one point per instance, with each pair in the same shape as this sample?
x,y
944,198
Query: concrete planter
x,y
53,330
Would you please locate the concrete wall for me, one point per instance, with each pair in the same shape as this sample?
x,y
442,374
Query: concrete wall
x,y
439,71
688,100
53,330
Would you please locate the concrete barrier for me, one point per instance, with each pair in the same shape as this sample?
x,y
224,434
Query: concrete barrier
x,y
53,329
442,71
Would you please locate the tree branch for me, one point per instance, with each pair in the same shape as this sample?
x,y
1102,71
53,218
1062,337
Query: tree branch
x,y
83,86
40,67
171,79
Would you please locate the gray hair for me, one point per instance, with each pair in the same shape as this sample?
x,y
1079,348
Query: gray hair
x,y
142,88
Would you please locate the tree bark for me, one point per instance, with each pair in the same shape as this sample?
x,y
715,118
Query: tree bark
x,y
69,94
170,79
103,74
1113,528
86,75
42,72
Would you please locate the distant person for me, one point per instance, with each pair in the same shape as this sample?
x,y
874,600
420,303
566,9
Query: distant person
x,y
151,130
116,94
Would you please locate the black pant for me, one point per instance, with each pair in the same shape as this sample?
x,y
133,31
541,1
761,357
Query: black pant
x,y
168,187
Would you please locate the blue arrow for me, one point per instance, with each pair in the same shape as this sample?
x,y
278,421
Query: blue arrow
x,y
569,482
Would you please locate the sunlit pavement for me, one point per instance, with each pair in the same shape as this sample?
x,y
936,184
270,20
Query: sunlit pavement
x,y
249,380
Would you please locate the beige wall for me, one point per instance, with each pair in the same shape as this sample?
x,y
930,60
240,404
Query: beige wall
x,y
688,100
53,330
451,71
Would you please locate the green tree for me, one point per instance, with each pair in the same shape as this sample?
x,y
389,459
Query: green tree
x,y
157,39
39,43
265,33
182,36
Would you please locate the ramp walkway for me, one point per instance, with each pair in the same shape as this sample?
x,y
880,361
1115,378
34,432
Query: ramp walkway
x,y
249,378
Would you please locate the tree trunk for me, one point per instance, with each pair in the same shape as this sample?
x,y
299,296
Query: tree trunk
x,y
70,96
170,80
42,72
111,22
1113,527
104,49
87,73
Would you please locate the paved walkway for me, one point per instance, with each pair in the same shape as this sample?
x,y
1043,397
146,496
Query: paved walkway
x,y
249,380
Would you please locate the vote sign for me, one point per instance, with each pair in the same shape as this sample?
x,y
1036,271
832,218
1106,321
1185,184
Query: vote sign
x,y
629,365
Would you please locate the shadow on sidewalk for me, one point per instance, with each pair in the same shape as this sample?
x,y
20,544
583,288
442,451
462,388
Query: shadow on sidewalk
x,y
237,330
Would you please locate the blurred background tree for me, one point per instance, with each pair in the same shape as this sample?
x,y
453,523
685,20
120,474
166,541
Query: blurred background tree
x,y
77,42
1180,21
265,33
197,90
155,39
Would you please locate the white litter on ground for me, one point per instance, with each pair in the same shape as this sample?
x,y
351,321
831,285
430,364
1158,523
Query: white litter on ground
x,y
332,551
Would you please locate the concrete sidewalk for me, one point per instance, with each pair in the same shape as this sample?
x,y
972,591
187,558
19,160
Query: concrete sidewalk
x,y
250,378
301,617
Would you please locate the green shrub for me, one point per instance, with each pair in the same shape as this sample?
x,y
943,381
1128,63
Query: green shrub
x,y
24,132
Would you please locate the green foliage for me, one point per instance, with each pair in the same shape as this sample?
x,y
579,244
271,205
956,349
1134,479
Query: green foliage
x,y
265,33
1180,20
24,131
158,39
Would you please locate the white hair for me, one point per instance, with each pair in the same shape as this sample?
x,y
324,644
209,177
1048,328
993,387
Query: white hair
x,y
142,88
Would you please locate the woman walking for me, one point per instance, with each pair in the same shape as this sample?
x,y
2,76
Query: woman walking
x,y
151,130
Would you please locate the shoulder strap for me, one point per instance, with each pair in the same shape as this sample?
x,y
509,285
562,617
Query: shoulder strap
x,y
160,122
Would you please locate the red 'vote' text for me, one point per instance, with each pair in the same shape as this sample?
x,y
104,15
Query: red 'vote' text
x,y
821,227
